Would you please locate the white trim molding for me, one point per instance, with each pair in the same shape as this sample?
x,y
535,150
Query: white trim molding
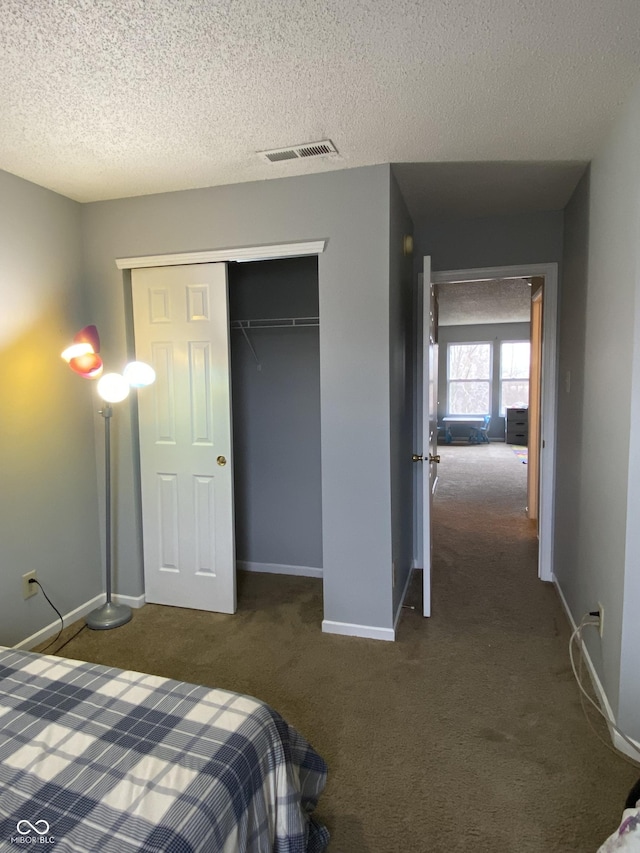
x,y
403,596
279,569
135,601
618,742
241,254
69,618
369,632
546,530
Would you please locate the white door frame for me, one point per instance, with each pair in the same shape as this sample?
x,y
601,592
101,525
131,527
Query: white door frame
x,y
549,389
244,254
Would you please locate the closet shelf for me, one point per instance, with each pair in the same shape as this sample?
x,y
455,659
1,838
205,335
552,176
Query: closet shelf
x,y
276,323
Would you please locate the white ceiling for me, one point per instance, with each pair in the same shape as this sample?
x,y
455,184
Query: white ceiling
x,y
109,98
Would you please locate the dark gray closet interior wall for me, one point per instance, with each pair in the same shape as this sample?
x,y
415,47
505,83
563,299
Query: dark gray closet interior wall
x,y
276,415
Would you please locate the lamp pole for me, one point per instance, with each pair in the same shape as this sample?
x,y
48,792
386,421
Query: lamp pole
x,y
110,615
82,357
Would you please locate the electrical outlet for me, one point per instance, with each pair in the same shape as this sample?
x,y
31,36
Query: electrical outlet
x,y
601,619
29,589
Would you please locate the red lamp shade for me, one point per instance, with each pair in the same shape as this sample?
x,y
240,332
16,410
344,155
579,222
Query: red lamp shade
x,y
82,356
88,365
88,335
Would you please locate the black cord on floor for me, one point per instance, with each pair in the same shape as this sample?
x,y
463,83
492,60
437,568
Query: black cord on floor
x,y
72,637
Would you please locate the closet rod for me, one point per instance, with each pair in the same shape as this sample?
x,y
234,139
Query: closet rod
x,y
276,323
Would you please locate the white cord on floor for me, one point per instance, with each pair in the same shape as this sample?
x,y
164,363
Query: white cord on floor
x,y
577,634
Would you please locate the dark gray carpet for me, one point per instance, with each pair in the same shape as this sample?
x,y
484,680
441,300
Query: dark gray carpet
x,y
466,734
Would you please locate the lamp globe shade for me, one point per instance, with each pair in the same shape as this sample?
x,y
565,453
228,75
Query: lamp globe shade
x,y
88,365
113,388
139,374
76,350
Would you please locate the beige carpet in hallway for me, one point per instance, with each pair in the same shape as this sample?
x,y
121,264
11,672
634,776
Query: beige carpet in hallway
x,y
466,734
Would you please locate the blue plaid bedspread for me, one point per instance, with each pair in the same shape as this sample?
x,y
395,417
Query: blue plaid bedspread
x,y
99,759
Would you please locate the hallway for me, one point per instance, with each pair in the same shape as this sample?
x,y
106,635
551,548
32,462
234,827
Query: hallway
x,y
485,548
501,634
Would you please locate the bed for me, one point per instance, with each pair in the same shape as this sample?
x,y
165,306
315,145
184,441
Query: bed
x,y
96,758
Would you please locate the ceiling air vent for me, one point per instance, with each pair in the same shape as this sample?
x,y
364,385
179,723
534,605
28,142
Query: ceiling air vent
x,y
325,148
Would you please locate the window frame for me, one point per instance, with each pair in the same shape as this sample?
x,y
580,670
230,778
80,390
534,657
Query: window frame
x,y
488,380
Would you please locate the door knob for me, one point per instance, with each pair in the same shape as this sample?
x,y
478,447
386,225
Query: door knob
x,y
433,458
417,457
221,461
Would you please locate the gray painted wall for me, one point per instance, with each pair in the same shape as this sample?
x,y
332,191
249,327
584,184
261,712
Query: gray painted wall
x,y
49,517
576,587
351,209
276,415
401,345
599,558
495,333
454,244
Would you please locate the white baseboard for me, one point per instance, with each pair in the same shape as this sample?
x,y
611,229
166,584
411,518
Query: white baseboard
x,y
402,598
134,601
370,632
279,569
52,629
619,743
69,618
622,746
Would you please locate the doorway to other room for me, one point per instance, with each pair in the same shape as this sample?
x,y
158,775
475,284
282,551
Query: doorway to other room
x,y
509,386
487,372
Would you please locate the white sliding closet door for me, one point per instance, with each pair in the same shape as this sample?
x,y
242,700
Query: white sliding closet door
x,y
181,325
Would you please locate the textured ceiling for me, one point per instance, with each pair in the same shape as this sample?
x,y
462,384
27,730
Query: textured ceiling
x,y
476,302
111,98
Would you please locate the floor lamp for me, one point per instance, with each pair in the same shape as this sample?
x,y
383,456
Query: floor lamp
x,y
82,357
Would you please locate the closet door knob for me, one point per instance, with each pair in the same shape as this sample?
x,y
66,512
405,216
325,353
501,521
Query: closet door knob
x,y
221,460
417,457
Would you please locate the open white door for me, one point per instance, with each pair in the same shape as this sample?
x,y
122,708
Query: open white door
x,y
535,399
429,424
181,324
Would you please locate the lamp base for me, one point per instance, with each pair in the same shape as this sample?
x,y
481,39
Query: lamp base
x,y
110,615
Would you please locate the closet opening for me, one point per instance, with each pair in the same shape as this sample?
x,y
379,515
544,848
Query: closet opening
x,y
275,390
